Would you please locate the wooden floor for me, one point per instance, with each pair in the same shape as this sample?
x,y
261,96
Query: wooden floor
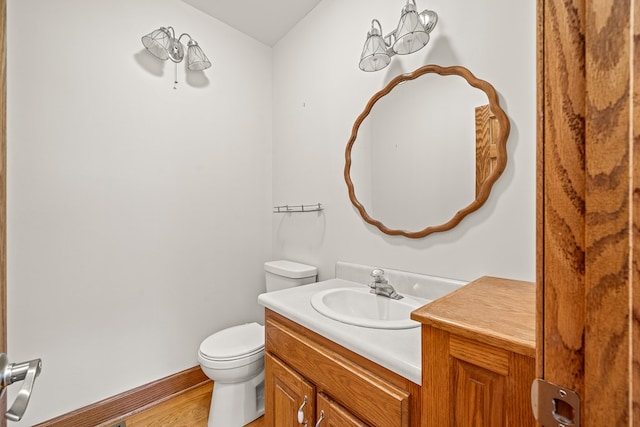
x,y
257,423
190,409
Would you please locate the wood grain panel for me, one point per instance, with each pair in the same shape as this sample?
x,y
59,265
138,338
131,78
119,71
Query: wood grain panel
x,y
491,358
635,218
607,272
588,248
561,253
522,372
435,377
478,396
540,183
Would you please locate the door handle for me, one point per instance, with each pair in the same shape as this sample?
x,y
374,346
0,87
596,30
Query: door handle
x,y
13,372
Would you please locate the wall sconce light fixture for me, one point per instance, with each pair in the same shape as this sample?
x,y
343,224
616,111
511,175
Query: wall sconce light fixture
x,y
411,35
163,44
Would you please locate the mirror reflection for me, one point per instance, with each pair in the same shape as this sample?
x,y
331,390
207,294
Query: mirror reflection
x,y
413,157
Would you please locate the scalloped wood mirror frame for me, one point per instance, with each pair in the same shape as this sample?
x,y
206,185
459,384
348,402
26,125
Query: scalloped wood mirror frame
x,y
499,138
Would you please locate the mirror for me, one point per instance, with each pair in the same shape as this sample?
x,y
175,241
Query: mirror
x,y
426,151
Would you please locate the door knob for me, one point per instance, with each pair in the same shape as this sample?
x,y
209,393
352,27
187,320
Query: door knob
x,y
13,372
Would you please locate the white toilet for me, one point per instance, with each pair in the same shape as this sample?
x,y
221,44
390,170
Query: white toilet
x,y
234,357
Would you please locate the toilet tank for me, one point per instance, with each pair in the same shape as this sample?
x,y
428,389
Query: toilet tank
x,y
285,274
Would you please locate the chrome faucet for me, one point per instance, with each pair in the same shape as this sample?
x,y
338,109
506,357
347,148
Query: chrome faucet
x,y
381,286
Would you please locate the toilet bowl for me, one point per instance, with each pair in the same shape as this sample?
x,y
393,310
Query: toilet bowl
x,y
234,357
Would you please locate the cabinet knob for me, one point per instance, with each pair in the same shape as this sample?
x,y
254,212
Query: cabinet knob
x,y
301,419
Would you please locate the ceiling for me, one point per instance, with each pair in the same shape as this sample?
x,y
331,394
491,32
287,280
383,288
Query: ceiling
x,y
265,21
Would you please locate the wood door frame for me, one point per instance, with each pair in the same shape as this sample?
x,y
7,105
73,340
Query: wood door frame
x,y
3,193
588,204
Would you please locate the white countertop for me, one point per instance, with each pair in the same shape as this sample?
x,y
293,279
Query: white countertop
x,y
398,350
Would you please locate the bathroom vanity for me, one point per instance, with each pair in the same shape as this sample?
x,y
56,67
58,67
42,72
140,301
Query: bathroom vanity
x,y
350,375
468,358
478,351
308,377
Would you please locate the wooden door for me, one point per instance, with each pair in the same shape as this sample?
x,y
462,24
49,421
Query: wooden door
x,y
286,393
588,204
3,197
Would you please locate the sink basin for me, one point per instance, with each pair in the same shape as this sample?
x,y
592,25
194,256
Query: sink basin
x,y
357,306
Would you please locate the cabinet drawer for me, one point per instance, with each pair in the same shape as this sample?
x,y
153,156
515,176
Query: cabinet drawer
x,y
367,396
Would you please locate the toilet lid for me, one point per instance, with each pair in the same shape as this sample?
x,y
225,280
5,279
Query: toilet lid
x,y
234,342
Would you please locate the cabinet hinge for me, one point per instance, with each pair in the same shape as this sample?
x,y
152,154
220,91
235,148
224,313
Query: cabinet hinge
x,y
554,406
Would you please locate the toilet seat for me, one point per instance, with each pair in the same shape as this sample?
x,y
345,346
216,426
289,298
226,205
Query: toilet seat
x,y
233,347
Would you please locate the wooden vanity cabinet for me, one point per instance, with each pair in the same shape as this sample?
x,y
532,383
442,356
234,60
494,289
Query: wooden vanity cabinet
x,y
478,352
308,373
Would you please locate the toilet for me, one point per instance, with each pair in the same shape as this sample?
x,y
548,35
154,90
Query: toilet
x,y
234,357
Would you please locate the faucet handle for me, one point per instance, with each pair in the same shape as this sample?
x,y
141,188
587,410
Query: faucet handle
x,y
377,274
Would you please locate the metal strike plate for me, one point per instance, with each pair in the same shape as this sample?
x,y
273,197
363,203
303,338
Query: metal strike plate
x,y
554,406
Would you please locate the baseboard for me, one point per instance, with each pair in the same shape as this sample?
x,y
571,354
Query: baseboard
x,y
114,409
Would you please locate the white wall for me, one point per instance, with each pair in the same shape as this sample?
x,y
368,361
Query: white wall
x,y
318,93
138,215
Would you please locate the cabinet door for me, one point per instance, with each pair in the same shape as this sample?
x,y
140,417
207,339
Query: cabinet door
x,y
470,384
331,414
477,396
288,396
